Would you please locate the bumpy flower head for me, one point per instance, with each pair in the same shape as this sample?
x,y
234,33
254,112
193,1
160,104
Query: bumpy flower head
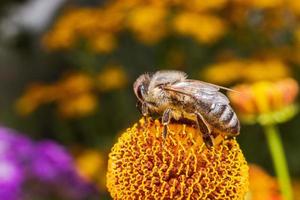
x,y
266,102
144,165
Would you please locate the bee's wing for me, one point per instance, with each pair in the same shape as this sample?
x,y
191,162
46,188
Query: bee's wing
x,y
211,85
199,90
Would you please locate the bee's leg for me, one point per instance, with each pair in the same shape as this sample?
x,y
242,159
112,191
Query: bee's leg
x,y
166,117
142,107
144,110
205,130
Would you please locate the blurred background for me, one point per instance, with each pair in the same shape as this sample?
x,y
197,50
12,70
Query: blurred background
x,y
67,69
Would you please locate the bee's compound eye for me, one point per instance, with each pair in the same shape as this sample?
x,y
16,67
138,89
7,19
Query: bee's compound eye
x,y
141,92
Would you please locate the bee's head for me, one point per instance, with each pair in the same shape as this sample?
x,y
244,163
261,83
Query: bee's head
x,y
140,87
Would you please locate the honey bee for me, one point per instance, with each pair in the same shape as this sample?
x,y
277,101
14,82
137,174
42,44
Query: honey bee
x,y
172,96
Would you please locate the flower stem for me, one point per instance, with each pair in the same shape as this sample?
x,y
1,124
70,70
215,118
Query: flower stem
x,y
279,161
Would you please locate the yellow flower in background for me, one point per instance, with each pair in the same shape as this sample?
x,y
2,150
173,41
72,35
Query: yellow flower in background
x,y
77,106
225,73
294,6
91,165
262,185
148,23
83,23
62,39
62,35
266,102
74,84
202,27
196,5
76,98
111,78
153,20
35,96
143,164
269,69
261,4
103,43
73,94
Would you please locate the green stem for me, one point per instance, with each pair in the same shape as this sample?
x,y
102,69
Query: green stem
x,y
279,161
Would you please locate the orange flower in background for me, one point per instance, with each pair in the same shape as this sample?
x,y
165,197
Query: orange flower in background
x,y
262,185
111,78
83,23
91,165
223,73
143,164
78,106
35,96
205,21
294,6
73,94
202,27
204,5
103,43
228,72
74,84
261,4
266,102
148,23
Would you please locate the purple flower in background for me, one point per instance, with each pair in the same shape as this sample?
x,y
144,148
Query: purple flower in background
x,y
38,170
15,146
10,179
51,161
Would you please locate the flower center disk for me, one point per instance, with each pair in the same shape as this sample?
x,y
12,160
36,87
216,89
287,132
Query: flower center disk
x,y
144,165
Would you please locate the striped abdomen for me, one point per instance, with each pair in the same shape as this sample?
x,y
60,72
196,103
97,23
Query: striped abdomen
x,y
223,118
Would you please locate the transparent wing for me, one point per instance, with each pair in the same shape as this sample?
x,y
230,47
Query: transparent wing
x,y
199,90
210,85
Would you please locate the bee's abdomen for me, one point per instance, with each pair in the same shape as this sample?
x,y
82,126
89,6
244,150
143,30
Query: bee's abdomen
x,y
223,118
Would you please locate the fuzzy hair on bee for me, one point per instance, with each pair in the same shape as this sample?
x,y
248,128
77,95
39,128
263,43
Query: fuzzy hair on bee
x,y
172,95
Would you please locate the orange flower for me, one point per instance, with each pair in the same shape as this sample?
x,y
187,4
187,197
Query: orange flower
x,y
73,94
103,43
245,70
83,23
77,106
148,23
143,164
204,5
112,77
35,96
262,185
91,165
73,85
266,102
203,27
262,4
